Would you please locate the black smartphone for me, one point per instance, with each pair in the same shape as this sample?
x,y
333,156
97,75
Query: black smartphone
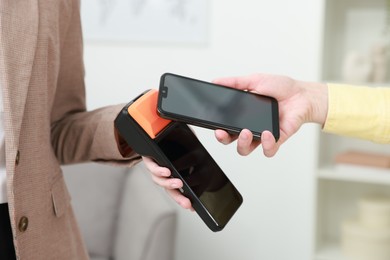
x,y
214,106
172,144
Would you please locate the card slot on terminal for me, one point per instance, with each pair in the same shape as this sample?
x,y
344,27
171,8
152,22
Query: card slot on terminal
x,y
144,112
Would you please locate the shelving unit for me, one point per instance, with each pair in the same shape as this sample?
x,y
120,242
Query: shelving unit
x,y
349,25
356,174
330,251
337,200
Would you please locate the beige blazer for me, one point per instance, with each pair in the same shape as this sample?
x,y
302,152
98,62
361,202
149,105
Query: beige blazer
x,y
46,123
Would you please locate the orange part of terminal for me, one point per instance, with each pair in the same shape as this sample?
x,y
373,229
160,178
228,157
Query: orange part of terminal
x,y
144,111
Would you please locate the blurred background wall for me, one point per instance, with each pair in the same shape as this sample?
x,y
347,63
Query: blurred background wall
x,y
248,36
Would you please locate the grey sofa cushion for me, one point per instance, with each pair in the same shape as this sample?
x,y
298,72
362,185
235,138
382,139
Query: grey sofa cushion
x,y
96,190
122,214
147,222
99,258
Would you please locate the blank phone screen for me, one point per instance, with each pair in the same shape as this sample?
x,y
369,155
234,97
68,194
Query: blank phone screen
x,y
210,103
200,172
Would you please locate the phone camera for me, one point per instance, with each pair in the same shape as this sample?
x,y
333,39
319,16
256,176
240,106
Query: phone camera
x,y
164,92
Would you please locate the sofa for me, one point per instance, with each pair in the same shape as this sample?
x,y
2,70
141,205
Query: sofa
x,y
122,214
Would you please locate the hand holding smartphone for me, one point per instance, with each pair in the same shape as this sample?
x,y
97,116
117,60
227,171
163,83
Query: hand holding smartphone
x,y
173,145
215,106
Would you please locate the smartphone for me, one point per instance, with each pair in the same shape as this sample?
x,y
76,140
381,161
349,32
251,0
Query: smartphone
x,y
214,106
172,144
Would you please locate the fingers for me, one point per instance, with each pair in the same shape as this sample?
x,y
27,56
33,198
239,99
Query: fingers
x,y
167,183
156,169
270,147
180,199
161,176
223,137
245,142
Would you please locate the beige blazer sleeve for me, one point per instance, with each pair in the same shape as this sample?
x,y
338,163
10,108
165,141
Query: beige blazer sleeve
x,y
79,135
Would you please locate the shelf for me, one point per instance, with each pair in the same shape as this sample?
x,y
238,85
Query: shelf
x,y
330,251
350,26
356,174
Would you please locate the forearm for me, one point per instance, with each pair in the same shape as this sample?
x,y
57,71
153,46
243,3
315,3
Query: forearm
x,y
362,112
316,94
86,136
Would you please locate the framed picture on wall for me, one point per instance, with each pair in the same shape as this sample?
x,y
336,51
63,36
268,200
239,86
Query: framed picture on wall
x,y
151,21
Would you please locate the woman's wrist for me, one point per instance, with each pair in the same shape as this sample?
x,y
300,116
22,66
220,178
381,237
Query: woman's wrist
x,y
317,95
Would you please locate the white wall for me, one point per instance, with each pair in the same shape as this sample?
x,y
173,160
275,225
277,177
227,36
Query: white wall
x,y
247,36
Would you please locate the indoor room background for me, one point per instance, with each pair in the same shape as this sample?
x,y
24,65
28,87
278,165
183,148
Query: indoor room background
x,y
280,217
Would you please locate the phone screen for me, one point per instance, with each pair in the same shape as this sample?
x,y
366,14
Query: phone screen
x,y
200,172
210,105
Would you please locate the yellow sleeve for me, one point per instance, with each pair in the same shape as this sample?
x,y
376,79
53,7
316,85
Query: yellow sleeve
x,y
362,112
